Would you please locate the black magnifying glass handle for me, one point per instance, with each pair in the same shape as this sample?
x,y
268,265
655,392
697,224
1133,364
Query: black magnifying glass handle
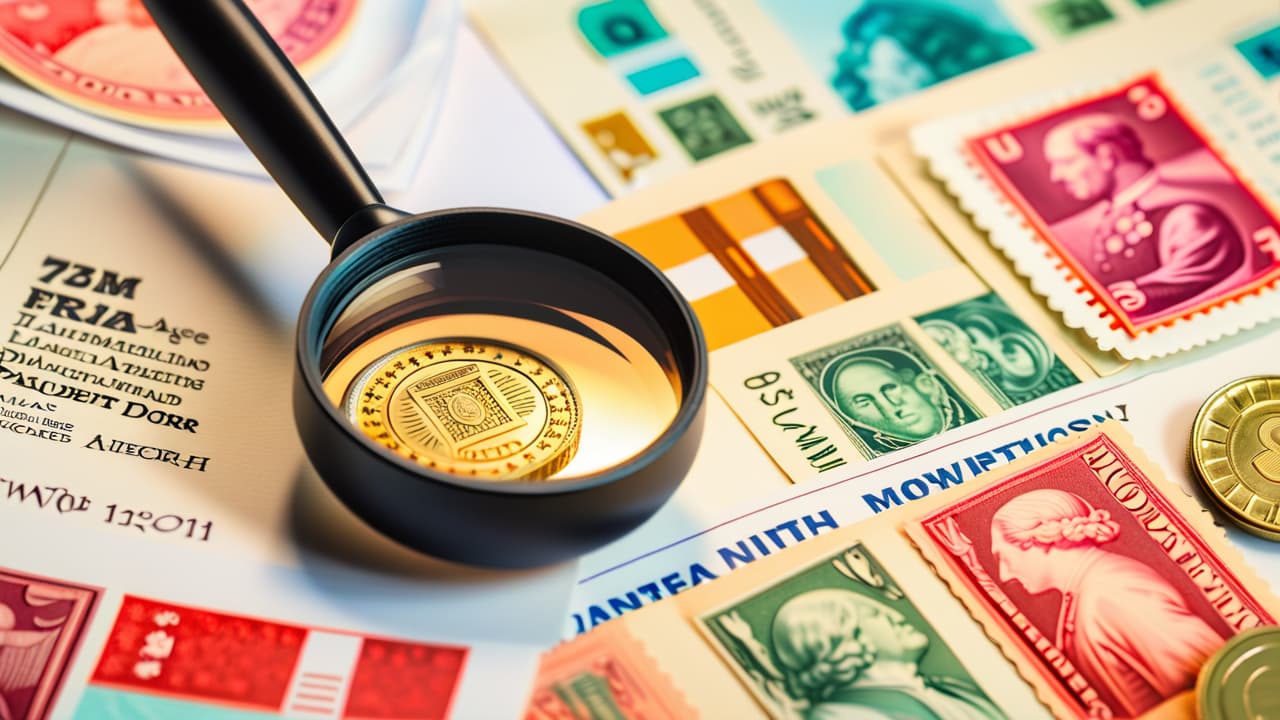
x,y
260,93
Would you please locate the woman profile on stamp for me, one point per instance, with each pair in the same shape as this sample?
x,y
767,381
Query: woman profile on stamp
x,y
1124,626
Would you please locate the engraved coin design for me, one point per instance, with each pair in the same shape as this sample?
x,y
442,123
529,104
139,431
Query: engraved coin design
x,y
472,408
1235,448
1239,681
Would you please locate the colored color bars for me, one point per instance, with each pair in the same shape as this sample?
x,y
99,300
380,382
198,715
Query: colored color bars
x,y
751,261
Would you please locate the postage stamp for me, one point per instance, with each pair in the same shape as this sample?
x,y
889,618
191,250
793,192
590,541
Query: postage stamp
x,y
605,674
168,660
1106,593
1013,363
751,260
1122,212
41,624
875,52
884,390
839,638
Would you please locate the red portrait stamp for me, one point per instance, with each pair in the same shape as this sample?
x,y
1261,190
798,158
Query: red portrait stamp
x,y
605,673
1107,594
1125,191
41,622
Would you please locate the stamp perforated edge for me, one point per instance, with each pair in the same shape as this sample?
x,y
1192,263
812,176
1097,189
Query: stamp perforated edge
x,y
1195,514
943,145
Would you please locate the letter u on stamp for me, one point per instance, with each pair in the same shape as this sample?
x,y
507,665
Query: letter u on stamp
x,y
1106,593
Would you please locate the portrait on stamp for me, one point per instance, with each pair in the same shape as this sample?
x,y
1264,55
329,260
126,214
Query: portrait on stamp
x,y
1132,197
997,348
1115,597
884,390
839,639
1122,622
876,51
41,622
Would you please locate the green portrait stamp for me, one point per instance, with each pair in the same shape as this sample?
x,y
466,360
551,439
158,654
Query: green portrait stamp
x,y
1068,17
704,127
884,390
1008,358
839,639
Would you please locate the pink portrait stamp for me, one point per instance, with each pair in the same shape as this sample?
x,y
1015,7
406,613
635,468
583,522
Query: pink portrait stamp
x,y
41,623
1107,594
1123,212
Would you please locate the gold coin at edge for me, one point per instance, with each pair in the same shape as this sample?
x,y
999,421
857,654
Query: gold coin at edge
x,y
1235,449
471,408
1239,681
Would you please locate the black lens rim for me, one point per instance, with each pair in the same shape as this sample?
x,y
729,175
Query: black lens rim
x,y
363,259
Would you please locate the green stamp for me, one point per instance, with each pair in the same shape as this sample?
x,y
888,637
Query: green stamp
x,y
884,390
839,639
705,127
1067,17
1008,358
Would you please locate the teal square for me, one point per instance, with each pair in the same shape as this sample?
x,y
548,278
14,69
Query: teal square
x,y
1262,51
615,27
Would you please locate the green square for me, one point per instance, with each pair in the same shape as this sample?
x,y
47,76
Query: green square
x,y
1068,17
704,127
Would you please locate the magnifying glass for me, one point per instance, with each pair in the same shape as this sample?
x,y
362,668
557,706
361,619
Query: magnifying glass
x,y
488,386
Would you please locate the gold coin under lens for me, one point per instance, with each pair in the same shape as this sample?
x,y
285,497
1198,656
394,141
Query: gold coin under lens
x,y
471,408
1239,681
1235,448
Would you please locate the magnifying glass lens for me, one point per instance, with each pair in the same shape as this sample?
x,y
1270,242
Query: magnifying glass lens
x,y
500,362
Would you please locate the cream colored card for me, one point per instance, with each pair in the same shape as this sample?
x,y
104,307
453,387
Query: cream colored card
x,y
643,89
783,252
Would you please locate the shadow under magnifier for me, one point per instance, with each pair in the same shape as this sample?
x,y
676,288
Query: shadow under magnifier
x,y
326,531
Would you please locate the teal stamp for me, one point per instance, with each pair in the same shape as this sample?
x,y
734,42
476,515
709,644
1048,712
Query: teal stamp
x,y
884,390
1262,52
704,127
997,348
840,639
1068,17
616,27
876,51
